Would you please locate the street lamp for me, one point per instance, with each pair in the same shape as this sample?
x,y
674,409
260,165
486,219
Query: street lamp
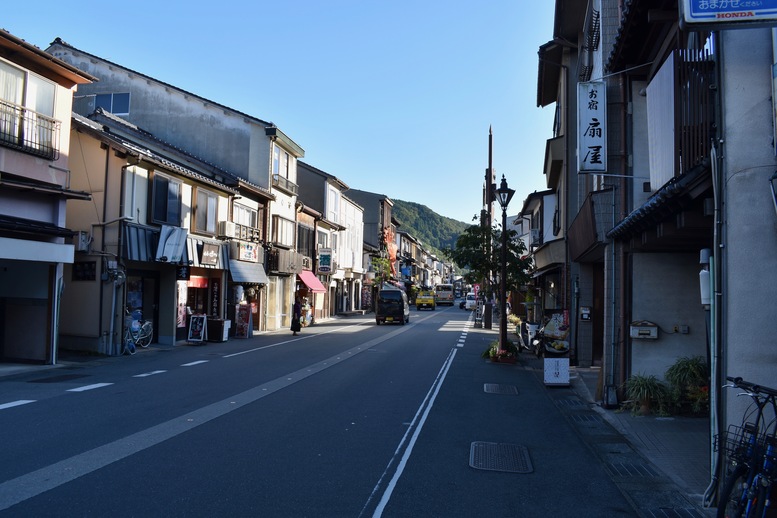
x,y
504,194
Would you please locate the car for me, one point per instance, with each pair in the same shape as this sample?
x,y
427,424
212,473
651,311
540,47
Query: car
x,y
392,307
425,299
470,303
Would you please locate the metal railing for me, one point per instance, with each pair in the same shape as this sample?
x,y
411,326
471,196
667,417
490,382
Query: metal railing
x,y
283,183
29,131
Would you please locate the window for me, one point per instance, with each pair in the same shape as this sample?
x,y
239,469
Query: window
x,y
333,205
281,162
282,231
166,200
306,241
117,104
205,212
323,240
243,215
276,160
26,112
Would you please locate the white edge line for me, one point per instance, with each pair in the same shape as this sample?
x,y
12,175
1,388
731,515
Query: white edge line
x,y
16,403
89,387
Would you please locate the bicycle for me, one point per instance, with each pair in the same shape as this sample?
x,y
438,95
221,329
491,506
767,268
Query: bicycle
x,y
751,450
137,332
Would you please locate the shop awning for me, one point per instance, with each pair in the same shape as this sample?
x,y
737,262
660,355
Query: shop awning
x,y
311,281
248,273
171,244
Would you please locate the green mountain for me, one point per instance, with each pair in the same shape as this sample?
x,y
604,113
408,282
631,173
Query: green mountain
x,y
435,232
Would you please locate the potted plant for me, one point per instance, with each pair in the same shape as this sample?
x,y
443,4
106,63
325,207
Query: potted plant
x,y
644,392
689,381
507,355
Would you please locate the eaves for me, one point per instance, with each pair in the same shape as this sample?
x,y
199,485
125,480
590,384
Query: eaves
x,y
141,152
59,41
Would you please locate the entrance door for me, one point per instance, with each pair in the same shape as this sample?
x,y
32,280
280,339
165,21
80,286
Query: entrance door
x,y
143,294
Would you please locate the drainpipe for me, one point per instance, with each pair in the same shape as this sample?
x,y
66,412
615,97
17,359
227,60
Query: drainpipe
x,y
623,295
717,416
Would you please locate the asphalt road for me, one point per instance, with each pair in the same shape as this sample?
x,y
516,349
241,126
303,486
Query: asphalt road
x,y
347,419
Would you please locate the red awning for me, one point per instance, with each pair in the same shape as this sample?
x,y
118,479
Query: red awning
x,y
311,281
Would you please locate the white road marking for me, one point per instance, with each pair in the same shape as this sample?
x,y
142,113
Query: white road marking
x,y
90,387
194,363
146,374
49,477
416,426
16,403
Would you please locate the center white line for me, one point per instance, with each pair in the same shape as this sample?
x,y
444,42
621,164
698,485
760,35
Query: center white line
x,y
89,387
16,403
36,482
145,374
194,363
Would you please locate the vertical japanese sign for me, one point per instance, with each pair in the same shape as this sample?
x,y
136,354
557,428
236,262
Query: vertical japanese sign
x,y
591,127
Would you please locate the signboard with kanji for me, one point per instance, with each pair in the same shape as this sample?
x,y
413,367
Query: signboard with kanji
x,y
592,127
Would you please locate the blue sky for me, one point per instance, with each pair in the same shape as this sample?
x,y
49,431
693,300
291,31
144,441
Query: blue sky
x,y
394,97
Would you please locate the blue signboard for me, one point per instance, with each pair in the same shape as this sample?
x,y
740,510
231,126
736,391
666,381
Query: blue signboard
x,y
731,13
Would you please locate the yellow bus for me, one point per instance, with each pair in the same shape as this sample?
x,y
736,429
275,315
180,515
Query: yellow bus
x,y
443,293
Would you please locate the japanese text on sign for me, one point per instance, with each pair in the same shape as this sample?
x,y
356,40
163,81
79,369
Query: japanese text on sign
x,y
592,128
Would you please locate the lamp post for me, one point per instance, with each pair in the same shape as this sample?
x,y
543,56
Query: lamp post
x,y
504,194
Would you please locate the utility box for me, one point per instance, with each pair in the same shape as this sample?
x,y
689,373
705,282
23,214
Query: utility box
x,y
643,330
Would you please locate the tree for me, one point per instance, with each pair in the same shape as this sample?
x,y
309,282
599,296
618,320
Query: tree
x,y
470,252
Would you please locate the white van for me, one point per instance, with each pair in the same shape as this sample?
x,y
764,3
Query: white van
x,y
471,302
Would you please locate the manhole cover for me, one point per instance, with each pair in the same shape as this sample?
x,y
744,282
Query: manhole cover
x,y
495,388
494,456
57,379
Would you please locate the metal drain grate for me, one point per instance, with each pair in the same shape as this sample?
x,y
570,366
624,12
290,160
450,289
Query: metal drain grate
x,y
493,456
587,418
569,402
677,512
628,469
495,388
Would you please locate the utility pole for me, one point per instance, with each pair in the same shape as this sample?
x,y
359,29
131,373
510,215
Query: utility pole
x,y
486,222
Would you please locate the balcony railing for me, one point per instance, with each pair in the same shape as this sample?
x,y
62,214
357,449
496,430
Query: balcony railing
x,y
29,131
284,184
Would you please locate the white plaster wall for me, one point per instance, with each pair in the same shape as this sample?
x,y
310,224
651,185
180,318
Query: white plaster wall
x,y
749,256
667,294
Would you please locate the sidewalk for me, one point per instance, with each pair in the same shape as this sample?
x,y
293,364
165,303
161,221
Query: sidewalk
x,y
679,446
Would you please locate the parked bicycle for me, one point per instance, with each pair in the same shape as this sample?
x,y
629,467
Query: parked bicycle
x,y
751,451
137,332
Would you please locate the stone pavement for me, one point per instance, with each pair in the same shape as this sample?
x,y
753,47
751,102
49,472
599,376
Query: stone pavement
x,y
679,447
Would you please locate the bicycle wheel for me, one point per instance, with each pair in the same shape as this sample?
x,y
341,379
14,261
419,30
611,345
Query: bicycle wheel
x,y
145,333
129,344
733,495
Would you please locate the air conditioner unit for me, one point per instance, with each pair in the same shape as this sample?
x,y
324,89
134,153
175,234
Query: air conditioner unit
x,y
81,241
227,229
